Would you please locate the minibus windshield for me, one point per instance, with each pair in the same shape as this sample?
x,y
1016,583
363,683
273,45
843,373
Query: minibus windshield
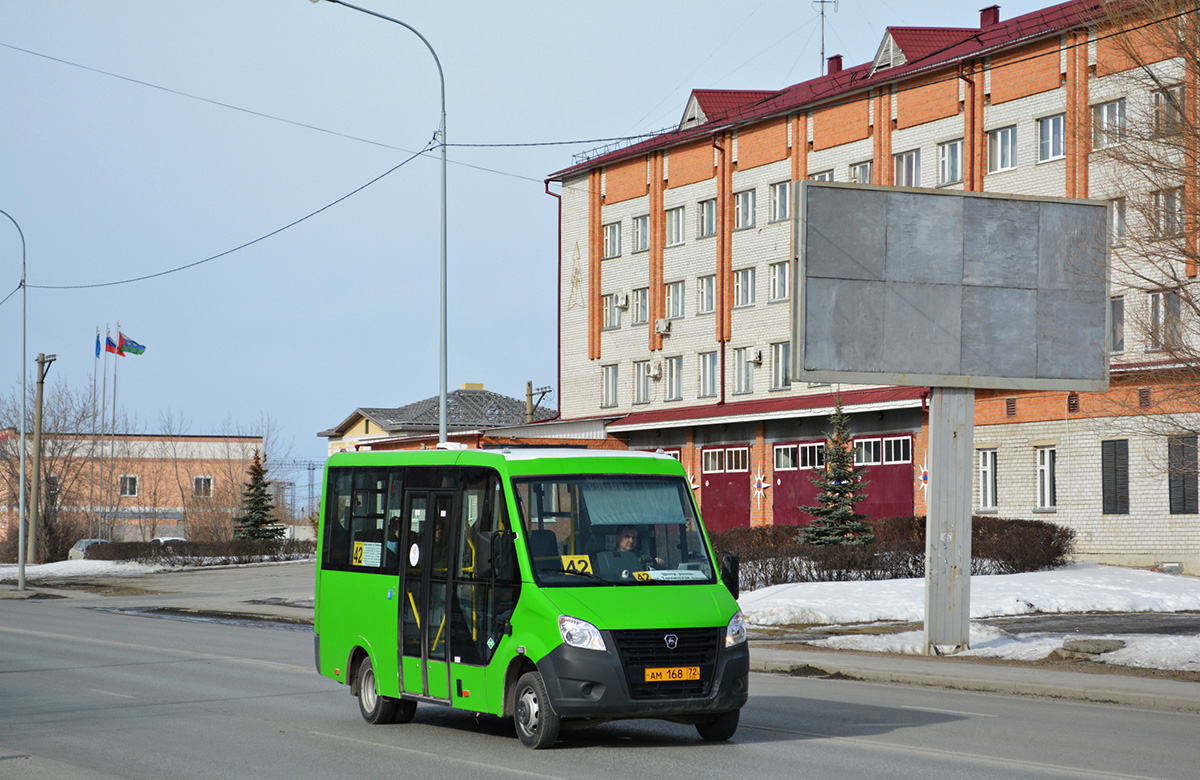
x,y
612,529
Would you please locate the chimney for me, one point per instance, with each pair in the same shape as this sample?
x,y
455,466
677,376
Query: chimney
x,y
989,17
835,64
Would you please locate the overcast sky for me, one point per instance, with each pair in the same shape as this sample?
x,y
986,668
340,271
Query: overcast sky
x,y
141,136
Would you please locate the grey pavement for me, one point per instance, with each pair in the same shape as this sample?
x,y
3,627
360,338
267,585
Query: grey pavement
x,y
284,592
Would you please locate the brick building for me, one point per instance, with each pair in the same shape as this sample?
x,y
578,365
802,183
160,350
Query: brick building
x,y
676,276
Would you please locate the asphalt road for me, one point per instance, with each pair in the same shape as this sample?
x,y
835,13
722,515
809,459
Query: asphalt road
x,y
88,692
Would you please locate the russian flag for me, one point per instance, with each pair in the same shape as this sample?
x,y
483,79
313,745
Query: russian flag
x,y
110,345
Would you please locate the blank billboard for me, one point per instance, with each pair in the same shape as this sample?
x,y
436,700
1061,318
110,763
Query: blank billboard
x,y
949,289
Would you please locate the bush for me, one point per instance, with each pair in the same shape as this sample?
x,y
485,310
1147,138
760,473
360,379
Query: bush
x,y
203,553
773,555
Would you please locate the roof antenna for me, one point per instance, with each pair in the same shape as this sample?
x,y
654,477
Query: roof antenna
x,y
822,4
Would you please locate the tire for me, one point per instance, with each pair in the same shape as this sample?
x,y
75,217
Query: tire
x,y
536,722
719,728
375,709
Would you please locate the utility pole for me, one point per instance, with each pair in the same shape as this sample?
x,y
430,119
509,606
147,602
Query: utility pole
x,y
43,362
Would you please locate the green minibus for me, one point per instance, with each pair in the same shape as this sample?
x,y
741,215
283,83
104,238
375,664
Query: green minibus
x,y
559,587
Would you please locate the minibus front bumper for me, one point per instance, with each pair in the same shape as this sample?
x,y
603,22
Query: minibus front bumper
x,y
585,683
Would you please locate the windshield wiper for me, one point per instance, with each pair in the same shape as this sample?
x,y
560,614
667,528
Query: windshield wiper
x,y
579,573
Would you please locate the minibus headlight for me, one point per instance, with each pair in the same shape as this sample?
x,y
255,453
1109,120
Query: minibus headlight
x,y
580,633
735,632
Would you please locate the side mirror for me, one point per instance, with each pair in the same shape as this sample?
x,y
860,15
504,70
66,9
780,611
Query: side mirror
x,y
730,570
494,555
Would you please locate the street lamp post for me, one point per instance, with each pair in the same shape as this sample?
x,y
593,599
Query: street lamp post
x,y
442,136
21,503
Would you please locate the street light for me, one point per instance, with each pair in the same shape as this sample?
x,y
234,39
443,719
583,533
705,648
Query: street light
x,y
21,511
442,135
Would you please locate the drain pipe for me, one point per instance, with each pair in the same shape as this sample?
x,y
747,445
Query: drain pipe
x,y
558,303
720,285
969,150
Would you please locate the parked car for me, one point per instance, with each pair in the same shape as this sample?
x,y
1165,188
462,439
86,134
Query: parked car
x,y
78,551
167,539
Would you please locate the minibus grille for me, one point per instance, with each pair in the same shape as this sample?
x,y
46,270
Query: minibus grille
x,y
641,650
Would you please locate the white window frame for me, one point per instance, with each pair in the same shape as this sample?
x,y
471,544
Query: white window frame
x,y
781,201
743,287
1165,308
737,459
708,375
197,491
868,452
823,176
1168,213
780,276
789,460
673,292
1047,478
127,485
1052,137
812,456
743,210
675,226
639,310
987,480
950,162
612,240
612,313
641,381
906,168
897,449
641,233
673,375
706,294
1168,110
863,172
706,218
1002,149
1116,319
609,376
712,461
1108,123
781,365
743,372
1116,221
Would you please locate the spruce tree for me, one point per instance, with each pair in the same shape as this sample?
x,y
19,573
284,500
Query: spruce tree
x,y
257,522
839,489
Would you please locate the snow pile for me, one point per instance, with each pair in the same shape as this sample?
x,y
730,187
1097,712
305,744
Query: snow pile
x,y
49,572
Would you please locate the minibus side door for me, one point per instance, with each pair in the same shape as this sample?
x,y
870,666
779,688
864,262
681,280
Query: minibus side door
x,y
424,628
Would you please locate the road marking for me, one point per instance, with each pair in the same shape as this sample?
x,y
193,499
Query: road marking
x,y
949,712
491,768
110,693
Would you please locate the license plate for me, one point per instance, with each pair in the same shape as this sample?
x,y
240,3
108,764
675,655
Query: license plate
x,y
673,673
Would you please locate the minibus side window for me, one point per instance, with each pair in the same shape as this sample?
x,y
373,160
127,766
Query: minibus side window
x,y
337,519
354,520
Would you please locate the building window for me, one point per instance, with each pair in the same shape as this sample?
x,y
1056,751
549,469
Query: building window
x,y
712,461
743,210
641,306
1168,213
706,295
781,281
707,212
202,487
781,201
823,176
674,300
608,386
737,459
863,172
1116,306
1108,123
785,457
866,452
812,456
708,374
907,169
743,287
1002,149
129,486
781,365
1181,475
897,450
1114,476
1116,221
641,233
987,479
675,226
641,381
1164,319
1047,490
1168,111
1051,139
743,376
612,240
673,369
612,312
950,162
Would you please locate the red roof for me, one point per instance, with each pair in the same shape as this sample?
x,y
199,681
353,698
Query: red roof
x,y
716,103
850,399
925,48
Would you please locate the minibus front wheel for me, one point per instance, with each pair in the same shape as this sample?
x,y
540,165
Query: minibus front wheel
x,y
537,723
719,728
377,709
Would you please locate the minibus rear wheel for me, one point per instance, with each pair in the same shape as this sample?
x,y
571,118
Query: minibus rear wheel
x,y
719,728
537,723
375,709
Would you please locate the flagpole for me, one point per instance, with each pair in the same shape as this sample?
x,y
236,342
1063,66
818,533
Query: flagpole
x,y
92,444
112,437
103,413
